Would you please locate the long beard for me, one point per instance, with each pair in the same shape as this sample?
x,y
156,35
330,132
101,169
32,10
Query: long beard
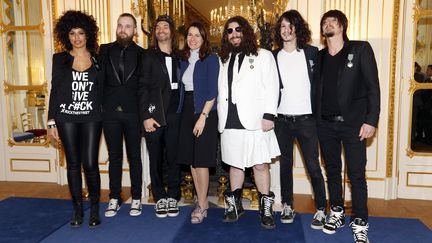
x,y
124,41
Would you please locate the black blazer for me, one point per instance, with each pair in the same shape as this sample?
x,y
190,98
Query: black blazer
x,y
357,85
311,54
118,95
155,73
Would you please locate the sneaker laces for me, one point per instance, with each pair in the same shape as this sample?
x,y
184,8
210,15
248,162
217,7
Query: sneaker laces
x,y
231,204
319,215
113,204
287,210
267,203
172,203
360,232
336,218
161,204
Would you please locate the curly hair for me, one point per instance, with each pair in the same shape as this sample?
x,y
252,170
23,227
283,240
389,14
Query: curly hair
x,y
342,21
205,49
174,41
248,44
302,30
76,19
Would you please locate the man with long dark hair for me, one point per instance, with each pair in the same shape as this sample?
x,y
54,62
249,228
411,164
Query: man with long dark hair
x,y
122,88
296,64
247,105
348,106
161,122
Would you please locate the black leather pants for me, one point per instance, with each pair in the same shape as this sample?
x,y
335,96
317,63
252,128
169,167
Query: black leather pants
x,y
81,145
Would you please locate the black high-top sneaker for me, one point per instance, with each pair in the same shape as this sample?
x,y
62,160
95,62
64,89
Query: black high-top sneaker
x,y
360,229
266,210
335,221
233,205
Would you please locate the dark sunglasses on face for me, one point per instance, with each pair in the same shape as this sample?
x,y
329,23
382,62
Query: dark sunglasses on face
x,y
238,29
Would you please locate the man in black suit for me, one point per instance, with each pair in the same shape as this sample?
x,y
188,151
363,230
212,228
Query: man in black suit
x,y
296,60
161,121
348,106
122,87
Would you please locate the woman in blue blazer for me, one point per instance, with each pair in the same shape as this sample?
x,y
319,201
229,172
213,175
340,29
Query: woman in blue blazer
x,y
198,124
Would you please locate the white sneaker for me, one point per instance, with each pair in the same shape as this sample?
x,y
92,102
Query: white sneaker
x,y
136,207
161,208
113,208
173,209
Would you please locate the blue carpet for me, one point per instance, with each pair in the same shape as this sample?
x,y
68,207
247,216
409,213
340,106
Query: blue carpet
x,y
31,220
47,220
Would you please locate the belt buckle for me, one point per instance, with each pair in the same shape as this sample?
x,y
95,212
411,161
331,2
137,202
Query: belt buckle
x,y
293,118
119,108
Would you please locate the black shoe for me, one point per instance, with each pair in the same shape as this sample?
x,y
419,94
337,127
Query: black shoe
x,y
233,205
266,210
94,219
288,214
77,218
319,219
360,229
336,220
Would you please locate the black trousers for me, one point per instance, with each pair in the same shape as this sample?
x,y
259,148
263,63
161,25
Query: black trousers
x,y
164,140
81,145
306,133
119,125
332,136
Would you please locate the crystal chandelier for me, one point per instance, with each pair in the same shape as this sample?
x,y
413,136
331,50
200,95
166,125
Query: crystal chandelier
x,y
252,10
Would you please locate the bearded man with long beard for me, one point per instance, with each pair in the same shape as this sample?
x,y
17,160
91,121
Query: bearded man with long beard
x,y
121,118
247,104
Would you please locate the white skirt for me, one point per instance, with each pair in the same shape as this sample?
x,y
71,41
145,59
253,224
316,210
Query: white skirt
x,y
243,148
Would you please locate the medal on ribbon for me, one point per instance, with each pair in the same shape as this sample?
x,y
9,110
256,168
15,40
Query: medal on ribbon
x,y
350,58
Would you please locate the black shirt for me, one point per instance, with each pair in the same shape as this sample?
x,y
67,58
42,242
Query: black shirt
x,y
330,103
80,102
233,120
130,57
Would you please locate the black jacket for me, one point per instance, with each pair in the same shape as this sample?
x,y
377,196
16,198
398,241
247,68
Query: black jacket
x,y
156,74
117,95
358,89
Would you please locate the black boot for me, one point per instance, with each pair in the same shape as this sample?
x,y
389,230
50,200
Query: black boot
x,y
94,219
266,210
234,207
78,214
93,184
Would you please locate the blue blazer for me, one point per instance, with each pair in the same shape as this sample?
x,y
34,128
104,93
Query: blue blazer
x,y
205,81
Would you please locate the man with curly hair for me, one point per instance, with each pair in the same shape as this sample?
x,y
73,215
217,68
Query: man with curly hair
x,y
296,61
247,104
122,89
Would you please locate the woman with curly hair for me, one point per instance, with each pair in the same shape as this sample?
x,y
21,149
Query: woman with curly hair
x,y
74,115
198,136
